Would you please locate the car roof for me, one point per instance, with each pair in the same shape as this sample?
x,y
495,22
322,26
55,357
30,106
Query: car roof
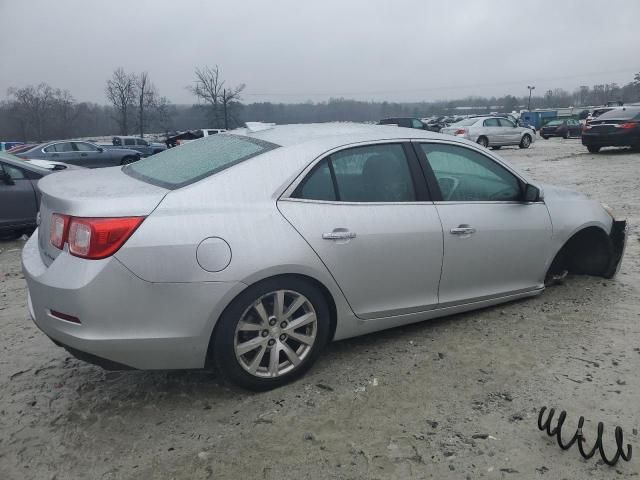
x,y
333,134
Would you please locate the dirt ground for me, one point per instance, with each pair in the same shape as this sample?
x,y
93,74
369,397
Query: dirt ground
x,y
450,398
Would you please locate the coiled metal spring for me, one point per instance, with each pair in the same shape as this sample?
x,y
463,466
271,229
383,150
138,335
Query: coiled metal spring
x,y
579,437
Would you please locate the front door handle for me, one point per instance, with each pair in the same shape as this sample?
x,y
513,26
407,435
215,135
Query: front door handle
x,y
463,229
339,235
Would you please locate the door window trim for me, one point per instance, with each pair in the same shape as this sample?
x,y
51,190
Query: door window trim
x,y
433,183
421,189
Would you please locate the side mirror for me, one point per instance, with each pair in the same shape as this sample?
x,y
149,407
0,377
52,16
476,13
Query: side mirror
x,y
6,178
532,194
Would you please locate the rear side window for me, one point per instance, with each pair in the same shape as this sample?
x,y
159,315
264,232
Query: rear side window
x,y
491,122
376,173
180,166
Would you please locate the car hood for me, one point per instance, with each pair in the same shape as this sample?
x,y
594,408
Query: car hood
x,y
553,193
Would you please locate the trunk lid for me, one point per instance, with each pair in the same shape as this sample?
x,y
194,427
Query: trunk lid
x,y
104,192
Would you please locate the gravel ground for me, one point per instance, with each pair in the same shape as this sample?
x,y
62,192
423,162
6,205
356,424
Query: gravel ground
x,y
450,398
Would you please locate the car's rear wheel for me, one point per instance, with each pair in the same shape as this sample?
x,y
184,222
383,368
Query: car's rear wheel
x,y
128,160
483,141
593,149
497,147
271,333
567,134
525,141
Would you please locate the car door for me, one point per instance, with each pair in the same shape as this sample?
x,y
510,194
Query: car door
x,y
89,155
510,133
367,216
495,244
493,131
60,152
18,205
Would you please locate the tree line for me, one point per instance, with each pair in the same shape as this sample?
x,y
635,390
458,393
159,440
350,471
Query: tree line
x,y
41,112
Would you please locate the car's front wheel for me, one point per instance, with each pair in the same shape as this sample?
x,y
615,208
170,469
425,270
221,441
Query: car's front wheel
x,y
128,160
271,333
525,142
593,149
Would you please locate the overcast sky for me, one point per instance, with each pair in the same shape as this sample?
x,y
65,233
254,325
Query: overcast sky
x,y
295,50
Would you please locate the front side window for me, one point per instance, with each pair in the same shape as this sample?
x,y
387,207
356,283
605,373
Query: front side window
x,y
506,123
59,148
129,141
465,175
13,172
375,173
194,161
416,123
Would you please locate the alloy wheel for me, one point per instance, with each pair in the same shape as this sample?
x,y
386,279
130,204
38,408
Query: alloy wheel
x,y
275,334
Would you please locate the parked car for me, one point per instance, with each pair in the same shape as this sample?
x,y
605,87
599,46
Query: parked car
x,y
251,250
4,146
83,154
615,128
19,195
565,128
490,131
597,112
21,148
139,144
185,137
407,122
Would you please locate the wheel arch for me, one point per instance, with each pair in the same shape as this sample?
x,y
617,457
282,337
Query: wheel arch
x,y
269,275
588,250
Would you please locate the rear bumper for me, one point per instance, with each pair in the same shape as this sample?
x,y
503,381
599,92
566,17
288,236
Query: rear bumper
x,y
125,321
613,139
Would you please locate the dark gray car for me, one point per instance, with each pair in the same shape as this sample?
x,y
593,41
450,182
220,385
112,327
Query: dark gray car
x,y
19,195
83,154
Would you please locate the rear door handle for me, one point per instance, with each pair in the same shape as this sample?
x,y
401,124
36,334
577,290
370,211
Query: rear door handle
x,y
463,230
339,235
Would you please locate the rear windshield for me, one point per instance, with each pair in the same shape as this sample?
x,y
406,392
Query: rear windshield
x,y
180,166
621,114
466,122
555,122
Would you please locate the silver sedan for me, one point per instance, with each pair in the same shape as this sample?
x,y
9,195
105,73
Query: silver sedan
x,y
494,132
250,250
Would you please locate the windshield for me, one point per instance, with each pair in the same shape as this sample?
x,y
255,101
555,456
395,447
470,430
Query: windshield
x,y
466,122
621,114
180,166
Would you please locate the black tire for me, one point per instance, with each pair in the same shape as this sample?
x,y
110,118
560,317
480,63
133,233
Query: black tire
x,y
593,149
10,235
221,347
497,147
546,137
483,141
128,160
566,135
525,141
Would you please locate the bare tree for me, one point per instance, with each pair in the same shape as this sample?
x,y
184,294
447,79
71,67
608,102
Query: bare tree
x,y
121,92
210,88
147,100
32,107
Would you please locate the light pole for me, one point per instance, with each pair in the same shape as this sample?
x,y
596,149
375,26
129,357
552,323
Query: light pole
x,y
531,88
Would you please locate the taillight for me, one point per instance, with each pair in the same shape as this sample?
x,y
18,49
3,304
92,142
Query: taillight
x,y
95,238
627,125
460,131
58,232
